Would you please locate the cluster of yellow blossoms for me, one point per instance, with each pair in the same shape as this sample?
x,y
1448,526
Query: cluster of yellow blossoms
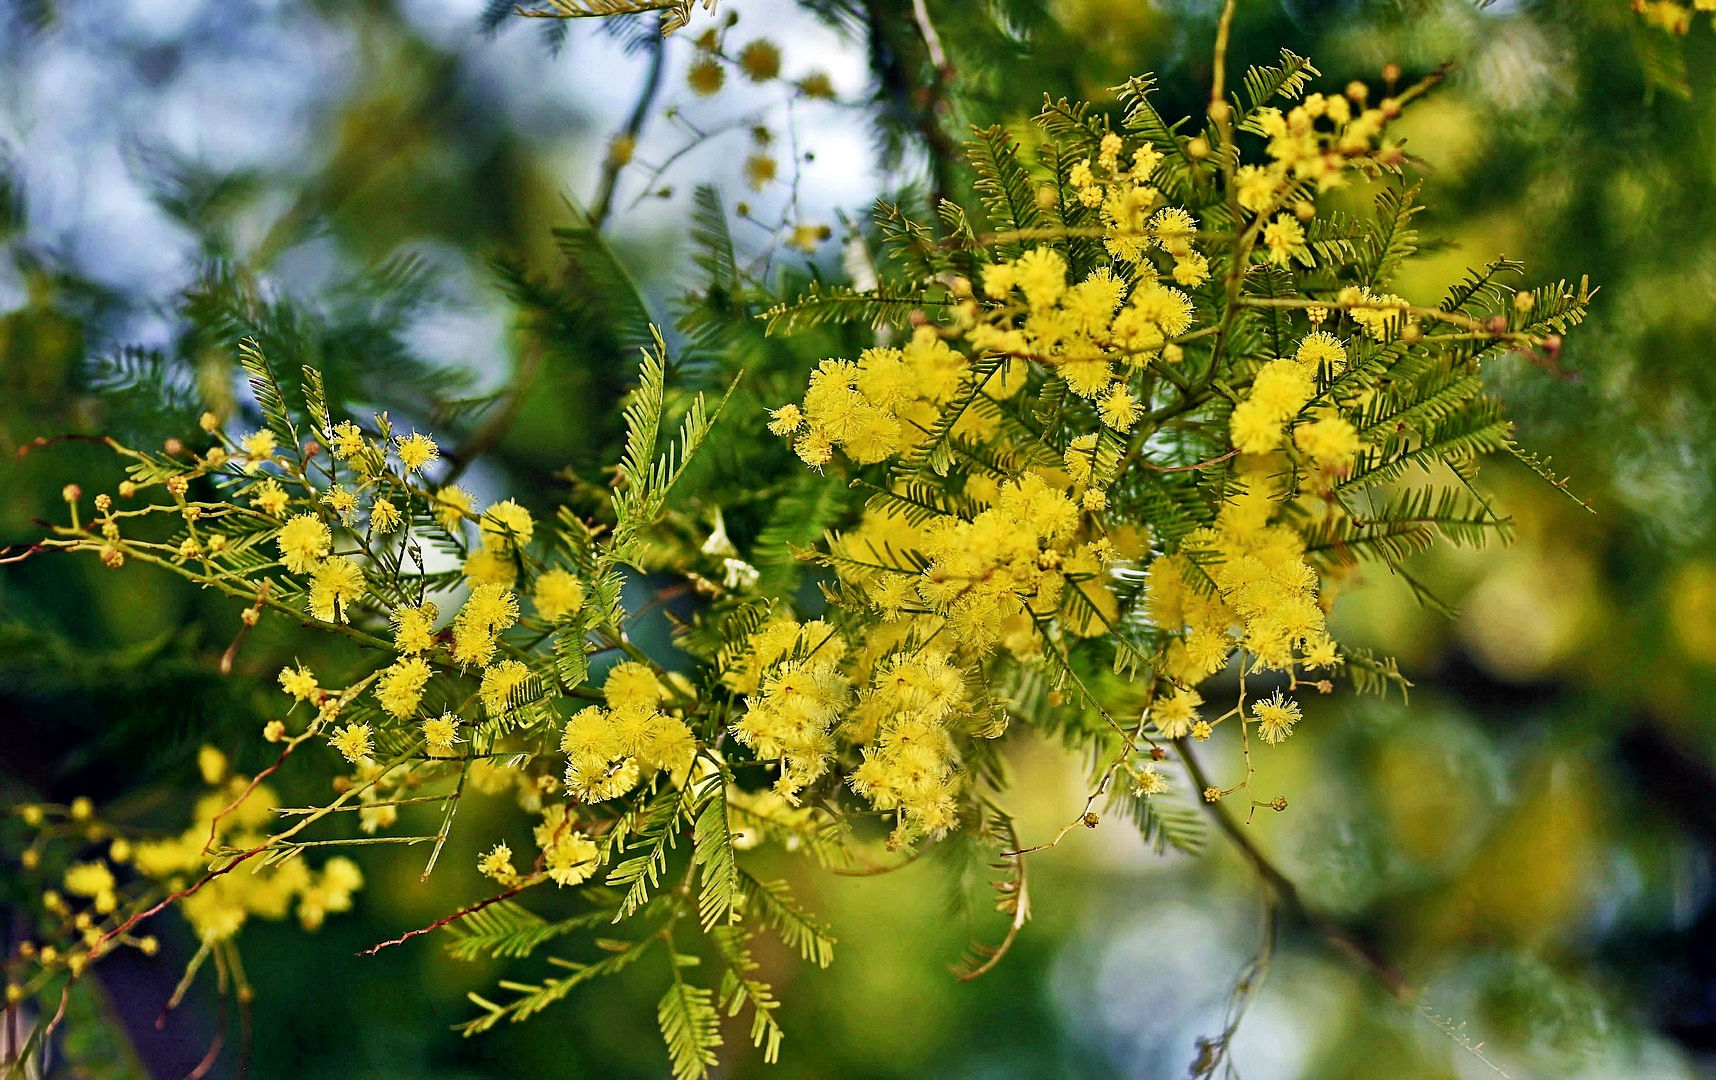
x,y
609,750
885,403
1309,143
1673,16
236,816
912,705
100,895
1280,391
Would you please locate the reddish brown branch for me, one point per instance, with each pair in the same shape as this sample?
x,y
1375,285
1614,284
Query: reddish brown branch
x,y
455,917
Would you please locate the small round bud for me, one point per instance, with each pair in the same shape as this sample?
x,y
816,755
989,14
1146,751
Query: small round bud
x,y
1391,73
127,489
209,422
104,502
1357,92
30,858
148,945
1047,197
1157,753
817,85
1090,820
960,286
705,76
71,493
760,60
1523,301
621,149
1056,698
1411,333
177,486
312,448
1304,209
1279,803
274,731
32,814
1198,148
1212,794
173,446
1390,108
250,616
918,318
82,809
1497,324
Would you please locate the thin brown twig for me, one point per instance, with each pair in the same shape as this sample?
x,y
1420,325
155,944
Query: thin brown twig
x,y
1337,934
1230,455
455,916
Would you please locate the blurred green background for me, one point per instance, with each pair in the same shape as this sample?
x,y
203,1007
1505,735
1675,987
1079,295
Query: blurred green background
x,y
1531,841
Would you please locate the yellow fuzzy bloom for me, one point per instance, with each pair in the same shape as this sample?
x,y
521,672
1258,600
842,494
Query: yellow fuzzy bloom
x,y
93,880
568,855
1120,410
558,593
269,497
1320,349
786,419
1254,428
1284,238
342,501
259,445
384,517
490,610
452,506
500,683
1282,388
414,627
1191,269
1175,714
507,523
489,566
400,687
300,682
1332,443
1173,229
347,440
760,60
1150,782
304,541
1275,717
1256,187
334,585
416,450
441,734
497,863
353,741
1041,274
632,685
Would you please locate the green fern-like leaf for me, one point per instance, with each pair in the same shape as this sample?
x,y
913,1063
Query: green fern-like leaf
x,y
690,1025
798,929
